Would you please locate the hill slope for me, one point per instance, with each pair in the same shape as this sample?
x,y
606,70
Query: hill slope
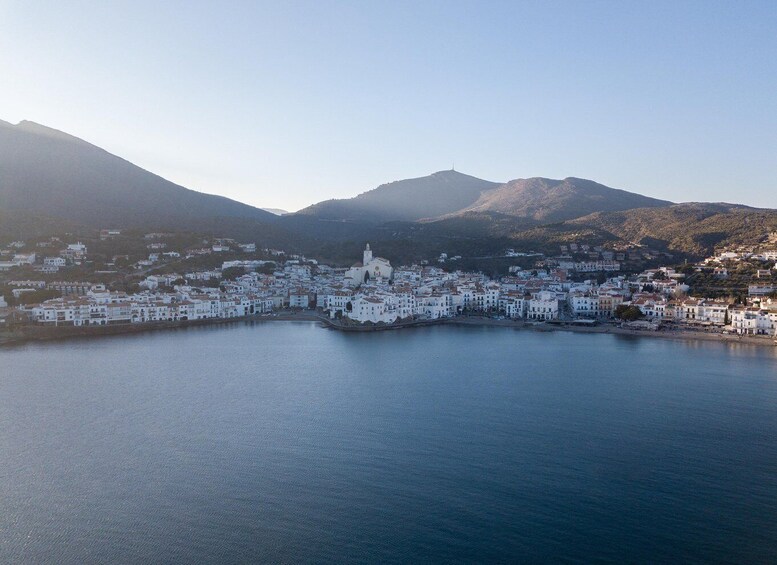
x,y
550,200
693,227
52,182
47,172
406,200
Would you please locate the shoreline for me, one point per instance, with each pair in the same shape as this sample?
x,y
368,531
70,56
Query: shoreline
x,y
674,334
30,334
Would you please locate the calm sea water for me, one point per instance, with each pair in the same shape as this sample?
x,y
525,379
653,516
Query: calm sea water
x,y
286,442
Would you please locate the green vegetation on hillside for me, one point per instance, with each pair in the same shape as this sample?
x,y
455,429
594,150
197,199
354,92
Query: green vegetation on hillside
x,y
692,228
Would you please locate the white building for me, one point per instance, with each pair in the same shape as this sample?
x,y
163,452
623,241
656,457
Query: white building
x,y
434,306
585,305
24,258
55,261
753,321
543,306
337,301
370,309
402,302
486,298
299,298
151,282
370,268
513,305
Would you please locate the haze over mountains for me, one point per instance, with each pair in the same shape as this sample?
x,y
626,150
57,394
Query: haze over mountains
x,y
52,181
276,211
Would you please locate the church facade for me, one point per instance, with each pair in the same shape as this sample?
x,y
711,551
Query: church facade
x,y
369,269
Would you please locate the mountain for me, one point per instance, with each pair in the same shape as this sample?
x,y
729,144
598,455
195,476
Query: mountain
x,y
692,227
52,183
276,211
550,200
438,194
22,225
47,172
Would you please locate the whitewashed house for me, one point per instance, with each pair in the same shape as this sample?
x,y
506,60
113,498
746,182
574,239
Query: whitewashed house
x,y
544,306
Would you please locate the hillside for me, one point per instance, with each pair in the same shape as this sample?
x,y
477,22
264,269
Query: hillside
x,y
550,200
435,195
50,173
22,225
52,182
694,227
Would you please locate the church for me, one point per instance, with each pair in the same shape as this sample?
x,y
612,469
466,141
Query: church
x,y
370,268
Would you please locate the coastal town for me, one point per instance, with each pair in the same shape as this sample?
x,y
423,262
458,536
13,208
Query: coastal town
x,y
583,285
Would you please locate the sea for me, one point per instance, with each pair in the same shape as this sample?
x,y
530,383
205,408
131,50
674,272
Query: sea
x,y
285,442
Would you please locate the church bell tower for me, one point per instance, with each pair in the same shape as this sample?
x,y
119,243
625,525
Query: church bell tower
x,y
367,255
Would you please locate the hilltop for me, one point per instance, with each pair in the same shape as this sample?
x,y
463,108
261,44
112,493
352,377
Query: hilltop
x,y
550,200
434,195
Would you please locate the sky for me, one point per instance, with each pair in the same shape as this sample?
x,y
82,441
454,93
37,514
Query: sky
x,y
283,104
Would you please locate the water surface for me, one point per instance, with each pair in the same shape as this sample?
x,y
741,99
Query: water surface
x,y
286,442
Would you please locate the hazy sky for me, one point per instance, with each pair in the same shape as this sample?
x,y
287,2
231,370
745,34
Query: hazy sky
x,y
287,103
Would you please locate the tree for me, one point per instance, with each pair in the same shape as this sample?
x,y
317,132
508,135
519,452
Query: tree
x,y
628,313
267,269
36,297
686,269
231,273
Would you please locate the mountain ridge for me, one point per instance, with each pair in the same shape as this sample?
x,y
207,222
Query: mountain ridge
x,y
554,200
51,180
405,200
